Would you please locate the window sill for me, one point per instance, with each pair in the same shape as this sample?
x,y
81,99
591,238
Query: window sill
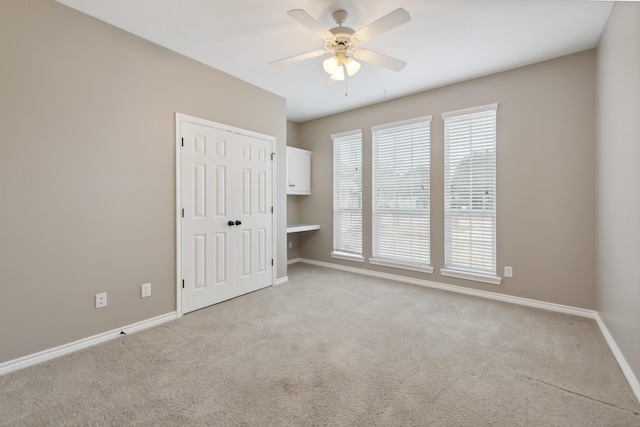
x,y
412,267
347,256
476,277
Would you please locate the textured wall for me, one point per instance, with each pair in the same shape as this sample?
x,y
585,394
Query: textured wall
x,y
545,182
87,170
618,154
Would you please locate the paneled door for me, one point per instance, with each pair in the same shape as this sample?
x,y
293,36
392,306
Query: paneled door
x,y
226,225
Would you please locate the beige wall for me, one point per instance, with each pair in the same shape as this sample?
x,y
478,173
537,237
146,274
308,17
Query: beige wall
x,y
546,201
87,170
618,185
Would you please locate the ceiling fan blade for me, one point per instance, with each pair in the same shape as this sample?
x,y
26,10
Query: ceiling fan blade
x,y
309,21
384,24
300,57
379,59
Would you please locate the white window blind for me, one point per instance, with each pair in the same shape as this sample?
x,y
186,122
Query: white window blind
x,y
347,195
401,199
470,190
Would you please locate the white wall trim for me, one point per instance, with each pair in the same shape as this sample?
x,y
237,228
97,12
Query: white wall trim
x,y
582,312
178,216
293,261
417,120
402,265
471,110
53,353
622,362
81,344
347,133
347,256
576,311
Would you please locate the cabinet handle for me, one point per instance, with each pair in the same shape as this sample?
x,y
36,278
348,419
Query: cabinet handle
x,y
231,223
238,222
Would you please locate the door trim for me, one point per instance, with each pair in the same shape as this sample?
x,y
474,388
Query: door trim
x,y
181,118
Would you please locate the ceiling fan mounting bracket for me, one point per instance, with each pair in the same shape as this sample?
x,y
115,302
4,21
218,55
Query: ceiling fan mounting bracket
x,y
340,16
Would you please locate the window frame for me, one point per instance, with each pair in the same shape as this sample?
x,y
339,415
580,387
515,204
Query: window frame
x,y
460,270
343,252
384,138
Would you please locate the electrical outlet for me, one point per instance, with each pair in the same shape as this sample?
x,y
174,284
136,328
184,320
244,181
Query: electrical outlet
x,y
508,272
145,290
101,300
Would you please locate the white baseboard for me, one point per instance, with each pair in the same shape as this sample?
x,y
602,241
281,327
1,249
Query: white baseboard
x,y
52,353
591,314
45,355
293,261
281,280
622,362
460,289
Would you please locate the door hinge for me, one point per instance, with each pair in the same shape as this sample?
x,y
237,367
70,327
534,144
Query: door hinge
x,y
273,156
182,142
271,261
271,209
182,283
182,212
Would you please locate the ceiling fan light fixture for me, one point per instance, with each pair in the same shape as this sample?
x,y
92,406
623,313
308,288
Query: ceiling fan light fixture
x,y
337,65
331,64
338,74
352,66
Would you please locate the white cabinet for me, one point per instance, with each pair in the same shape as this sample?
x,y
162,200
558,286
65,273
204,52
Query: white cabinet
x,y
298,171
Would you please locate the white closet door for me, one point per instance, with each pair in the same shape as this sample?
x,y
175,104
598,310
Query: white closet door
x,y
226,231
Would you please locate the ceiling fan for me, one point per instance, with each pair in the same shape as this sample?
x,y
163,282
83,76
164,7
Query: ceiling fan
x,y
341,41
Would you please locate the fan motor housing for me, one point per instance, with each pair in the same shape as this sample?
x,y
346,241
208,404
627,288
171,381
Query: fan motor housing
x,y
341,40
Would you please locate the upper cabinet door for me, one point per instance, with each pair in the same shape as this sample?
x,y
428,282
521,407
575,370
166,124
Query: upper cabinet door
x,y
298,171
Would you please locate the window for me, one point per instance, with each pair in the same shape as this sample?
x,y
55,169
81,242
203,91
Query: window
x,y
470,194
400,209
347,196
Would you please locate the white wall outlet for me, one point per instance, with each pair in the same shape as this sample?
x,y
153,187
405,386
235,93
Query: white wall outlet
x,y
145,290
101,300
508,271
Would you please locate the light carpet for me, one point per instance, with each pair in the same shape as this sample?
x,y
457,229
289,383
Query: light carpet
x,y
331,348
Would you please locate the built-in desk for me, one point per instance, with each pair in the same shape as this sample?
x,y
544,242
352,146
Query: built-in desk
x,y
297,228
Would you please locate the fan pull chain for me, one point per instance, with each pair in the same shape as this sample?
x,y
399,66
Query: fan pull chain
x,y
346,91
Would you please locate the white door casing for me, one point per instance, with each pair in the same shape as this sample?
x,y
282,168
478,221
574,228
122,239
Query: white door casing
x,y
225,220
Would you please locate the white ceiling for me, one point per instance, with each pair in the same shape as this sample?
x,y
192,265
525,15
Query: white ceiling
x,y
446,41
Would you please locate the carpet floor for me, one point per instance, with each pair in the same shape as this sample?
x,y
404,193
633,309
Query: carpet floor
x,y
331,348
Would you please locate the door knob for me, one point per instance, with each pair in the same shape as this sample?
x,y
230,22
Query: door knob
x,y
231,223
238,222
